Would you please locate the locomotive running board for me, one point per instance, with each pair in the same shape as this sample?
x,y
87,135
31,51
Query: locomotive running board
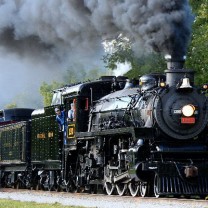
x,y
130,131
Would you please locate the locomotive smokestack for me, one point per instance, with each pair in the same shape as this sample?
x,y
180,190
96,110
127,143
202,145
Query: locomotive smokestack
x,y
175,71
175,62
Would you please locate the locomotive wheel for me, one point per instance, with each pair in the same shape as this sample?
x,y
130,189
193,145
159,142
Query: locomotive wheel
x,y
93,189
109,187
14,185
3,185
57,188
133,189
32,187
50,187
70,187
156,185
18,185
121,188
38,186
4,182
145,189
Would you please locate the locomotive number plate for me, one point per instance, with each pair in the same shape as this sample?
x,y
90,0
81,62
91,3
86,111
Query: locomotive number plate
x,y
71,131
189,120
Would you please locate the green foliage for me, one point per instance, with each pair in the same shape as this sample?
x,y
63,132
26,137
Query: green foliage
x,y
121,52
195,5
72,75
198,50
147,64
78,74
118,51
197,57
46,91
11,105
93,74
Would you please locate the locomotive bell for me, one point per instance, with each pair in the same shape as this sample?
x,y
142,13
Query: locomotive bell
x,y
185,83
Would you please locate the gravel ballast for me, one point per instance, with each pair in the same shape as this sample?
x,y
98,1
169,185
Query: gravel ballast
x,y
100,201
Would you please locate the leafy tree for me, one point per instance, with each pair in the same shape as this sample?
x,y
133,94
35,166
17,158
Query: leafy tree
x,y
79,74
120,51
147,64
72,75
198,50
93,74
11,105
46,91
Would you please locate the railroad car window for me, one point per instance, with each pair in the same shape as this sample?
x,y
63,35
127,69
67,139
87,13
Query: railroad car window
x,y
84,104
1,115
57,99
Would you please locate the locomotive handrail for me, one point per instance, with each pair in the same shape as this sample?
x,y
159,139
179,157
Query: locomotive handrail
x,y
184,149
134,132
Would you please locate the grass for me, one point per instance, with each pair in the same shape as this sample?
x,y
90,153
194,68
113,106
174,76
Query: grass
x,y
4,203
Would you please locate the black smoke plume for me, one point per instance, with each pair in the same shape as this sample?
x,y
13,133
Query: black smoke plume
x,y
64,31
164,26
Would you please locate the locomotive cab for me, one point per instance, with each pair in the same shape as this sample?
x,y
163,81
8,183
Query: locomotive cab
x,y
82,97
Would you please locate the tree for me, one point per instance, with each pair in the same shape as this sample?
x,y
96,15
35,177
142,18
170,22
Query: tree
x,y
120,51
198,50
147,64
46,91
79,74
73,75
11,105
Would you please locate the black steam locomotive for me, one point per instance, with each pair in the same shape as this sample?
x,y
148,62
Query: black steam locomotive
x,y
147,138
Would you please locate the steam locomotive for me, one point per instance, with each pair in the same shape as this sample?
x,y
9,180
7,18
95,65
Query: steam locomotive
x,y
147,138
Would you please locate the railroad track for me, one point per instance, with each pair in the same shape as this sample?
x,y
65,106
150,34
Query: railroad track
x,y
99,200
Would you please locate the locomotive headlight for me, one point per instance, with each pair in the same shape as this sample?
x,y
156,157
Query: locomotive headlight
x,y
188,110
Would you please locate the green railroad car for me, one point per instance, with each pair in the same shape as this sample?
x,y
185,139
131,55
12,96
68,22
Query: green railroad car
x,y
45,139
15,143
